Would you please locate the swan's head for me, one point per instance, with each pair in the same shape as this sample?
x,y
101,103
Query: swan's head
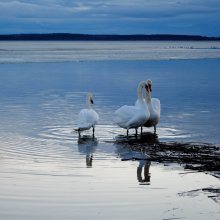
x,y
148,85
90,97
142,84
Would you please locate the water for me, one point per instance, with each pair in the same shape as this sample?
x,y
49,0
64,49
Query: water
x,y
71,51
47,172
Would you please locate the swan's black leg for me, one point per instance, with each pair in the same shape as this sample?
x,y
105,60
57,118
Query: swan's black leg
x,y
154,128
79,133
127,133
93,131
136,134
141,130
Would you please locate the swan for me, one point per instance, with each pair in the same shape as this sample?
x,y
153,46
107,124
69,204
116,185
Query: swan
x,y
130,116
87,117
153,106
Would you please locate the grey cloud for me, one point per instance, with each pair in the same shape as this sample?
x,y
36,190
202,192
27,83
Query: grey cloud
x,y
96,11
122,17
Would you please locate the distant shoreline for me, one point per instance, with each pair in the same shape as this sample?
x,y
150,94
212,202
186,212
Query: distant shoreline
x,y
89,37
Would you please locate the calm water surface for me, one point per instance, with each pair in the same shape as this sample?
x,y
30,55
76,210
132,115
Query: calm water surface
x,y
47,172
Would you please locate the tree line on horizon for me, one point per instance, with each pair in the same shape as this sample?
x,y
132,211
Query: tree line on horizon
x,y
114,37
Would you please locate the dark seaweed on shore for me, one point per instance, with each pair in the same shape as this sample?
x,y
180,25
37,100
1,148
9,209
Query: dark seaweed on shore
x,y
201,157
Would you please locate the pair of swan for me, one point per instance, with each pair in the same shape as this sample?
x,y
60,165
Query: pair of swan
x,y
131,116
153,106
144,113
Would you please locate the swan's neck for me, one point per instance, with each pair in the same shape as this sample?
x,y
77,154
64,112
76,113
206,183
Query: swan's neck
x,y
140,93
148,100
88,102
147,97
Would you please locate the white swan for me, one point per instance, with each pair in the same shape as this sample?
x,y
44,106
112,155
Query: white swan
x,y
87,117
153,106
130,116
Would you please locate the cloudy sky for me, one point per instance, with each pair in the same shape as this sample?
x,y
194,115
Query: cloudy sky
x,y
191,17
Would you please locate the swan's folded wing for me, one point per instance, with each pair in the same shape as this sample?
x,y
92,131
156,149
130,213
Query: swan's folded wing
x,y
125,113
91,116
81,117
83,124
137,103
156,104
87,117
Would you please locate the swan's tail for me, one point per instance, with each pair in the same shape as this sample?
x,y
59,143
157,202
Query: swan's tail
x,y
84,126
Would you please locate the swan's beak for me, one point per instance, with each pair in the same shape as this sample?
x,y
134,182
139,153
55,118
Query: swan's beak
x,y
92,101
146,87
150,88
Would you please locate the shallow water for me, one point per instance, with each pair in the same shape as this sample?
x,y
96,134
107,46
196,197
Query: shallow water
x,y
48,172
52,94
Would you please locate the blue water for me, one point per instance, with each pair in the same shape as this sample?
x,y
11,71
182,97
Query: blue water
x,y
52,94
48,172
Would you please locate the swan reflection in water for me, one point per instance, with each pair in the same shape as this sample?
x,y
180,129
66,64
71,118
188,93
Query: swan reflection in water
x,y
146,164
124,148
87,145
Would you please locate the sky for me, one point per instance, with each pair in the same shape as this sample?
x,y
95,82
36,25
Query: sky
x,y
192,17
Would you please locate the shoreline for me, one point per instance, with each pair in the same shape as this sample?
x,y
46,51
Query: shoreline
x,y
104,37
